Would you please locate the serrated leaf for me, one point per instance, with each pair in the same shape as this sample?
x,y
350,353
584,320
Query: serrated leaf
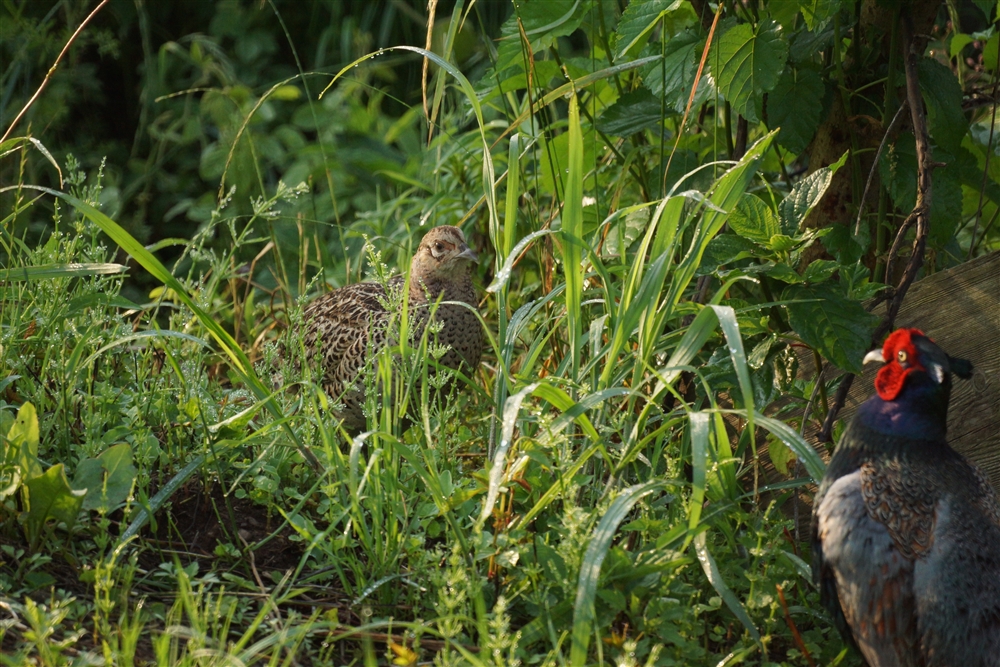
x,y
754,219
632,112
838,327
51,498
542,21
673,76
785,274
805,195
751,62
638,20
943,95
796,105
842,245
818,12
725,249
820,270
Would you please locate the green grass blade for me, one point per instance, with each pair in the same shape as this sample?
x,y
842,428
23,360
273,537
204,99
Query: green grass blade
x,y
68,270
572,233
803,450
715,578
238,361
590,569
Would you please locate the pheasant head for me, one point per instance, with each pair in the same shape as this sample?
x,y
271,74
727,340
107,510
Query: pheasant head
x,y
913,359
442,258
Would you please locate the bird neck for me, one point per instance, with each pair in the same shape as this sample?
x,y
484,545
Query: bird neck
x,y
919,412
427,288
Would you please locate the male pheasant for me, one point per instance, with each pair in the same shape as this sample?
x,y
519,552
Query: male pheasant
x,y
346,328
905,531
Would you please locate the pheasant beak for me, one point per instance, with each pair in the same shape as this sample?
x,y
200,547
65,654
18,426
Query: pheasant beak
x,y
874,355
468,254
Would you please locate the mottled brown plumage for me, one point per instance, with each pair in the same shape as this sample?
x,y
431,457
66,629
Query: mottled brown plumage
x,y
346,328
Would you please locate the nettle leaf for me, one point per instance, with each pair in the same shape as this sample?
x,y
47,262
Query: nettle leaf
x,y
805,195
820,270
818,12
806,44
840,243
543,21
725,249
753,219
785,274
751,62
943,95
837,327
632,112
637,21
796,105
815,12
672,76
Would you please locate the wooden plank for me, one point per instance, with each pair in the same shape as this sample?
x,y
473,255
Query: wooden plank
x,y
960,309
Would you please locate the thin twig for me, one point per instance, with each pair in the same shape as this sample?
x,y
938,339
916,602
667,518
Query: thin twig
x,y
52,70
878,154
796,637
920,216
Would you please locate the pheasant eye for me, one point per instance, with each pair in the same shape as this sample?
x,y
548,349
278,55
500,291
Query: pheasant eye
x,y
438,247
902,356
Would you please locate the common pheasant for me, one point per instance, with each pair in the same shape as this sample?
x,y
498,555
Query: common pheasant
x,y
346,328
905,531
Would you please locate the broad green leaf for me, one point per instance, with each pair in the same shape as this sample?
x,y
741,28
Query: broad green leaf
x,y
796,105
50,498
805,195
838,327
988,7
542,21
21,445
943,96
817,12
754,219
106,479
749,63
632,112
638,19
590,568
725,249
781,455
958,42
898,169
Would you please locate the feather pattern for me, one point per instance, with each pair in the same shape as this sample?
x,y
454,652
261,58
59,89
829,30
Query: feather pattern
x,y
906,532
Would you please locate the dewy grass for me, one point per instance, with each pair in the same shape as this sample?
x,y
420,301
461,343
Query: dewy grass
x,y
585,505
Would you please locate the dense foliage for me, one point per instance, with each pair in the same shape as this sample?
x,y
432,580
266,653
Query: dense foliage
x,y
675,204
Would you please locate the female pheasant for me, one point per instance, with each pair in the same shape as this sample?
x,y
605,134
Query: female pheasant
x,y
905,531
346,328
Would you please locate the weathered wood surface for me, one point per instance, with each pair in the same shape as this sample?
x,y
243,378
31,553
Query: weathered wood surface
x,y
960,310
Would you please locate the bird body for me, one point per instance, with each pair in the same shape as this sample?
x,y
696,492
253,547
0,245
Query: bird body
x,y
906,531
347,327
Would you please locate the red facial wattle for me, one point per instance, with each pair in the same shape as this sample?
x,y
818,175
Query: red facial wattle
x,y
901,358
